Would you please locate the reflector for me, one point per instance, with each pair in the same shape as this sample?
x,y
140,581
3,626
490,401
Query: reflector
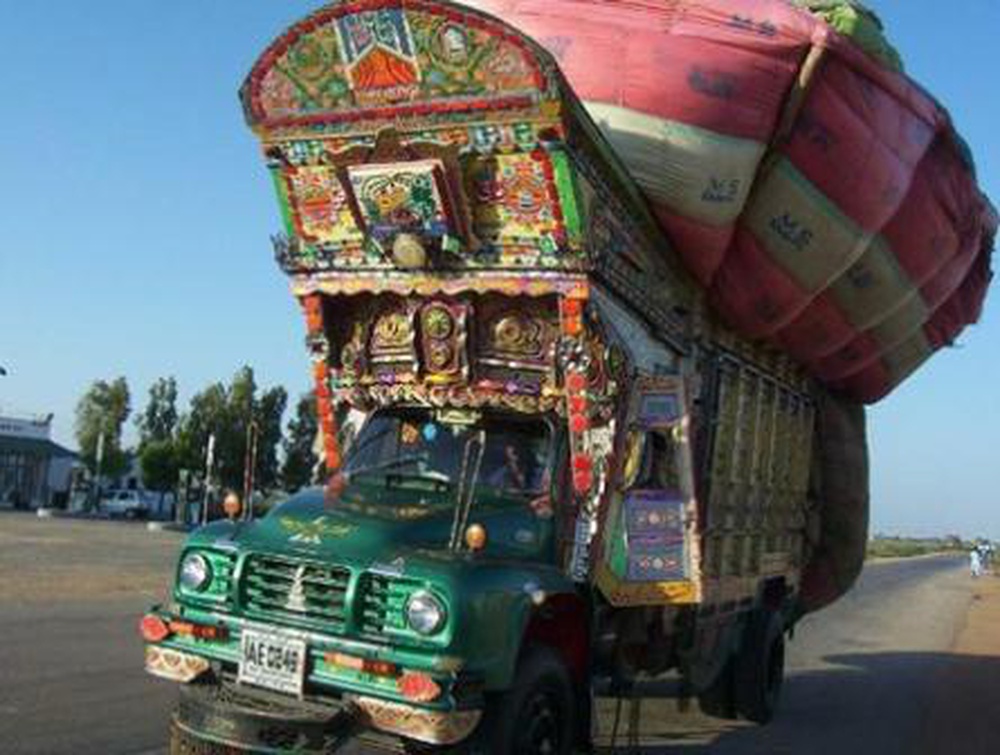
x,y
153,628
418,687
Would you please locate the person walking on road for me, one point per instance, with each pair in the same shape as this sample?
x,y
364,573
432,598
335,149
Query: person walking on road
x,y
985,557
975,562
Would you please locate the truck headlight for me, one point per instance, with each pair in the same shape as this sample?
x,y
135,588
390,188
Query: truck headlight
x,y
196,572
424,613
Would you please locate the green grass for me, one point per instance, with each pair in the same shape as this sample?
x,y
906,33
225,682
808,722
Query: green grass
x,y
908,547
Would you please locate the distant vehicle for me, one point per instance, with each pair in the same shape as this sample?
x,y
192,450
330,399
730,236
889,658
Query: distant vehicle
x,y
131,504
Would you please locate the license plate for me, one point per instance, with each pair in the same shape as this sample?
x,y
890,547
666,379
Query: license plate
x,y
273,660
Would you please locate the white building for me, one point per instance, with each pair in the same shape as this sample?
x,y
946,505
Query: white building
x,y
33,469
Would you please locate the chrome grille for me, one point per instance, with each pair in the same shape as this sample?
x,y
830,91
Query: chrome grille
x,y
223,565
383,604
297,592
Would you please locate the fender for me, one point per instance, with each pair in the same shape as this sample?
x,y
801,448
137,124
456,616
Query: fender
x,y
506,609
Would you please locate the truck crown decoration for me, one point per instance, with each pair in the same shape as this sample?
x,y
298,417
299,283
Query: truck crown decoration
x,y
552,465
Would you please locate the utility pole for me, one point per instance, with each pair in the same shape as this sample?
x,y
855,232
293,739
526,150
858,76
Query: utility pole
x,y
97,472
249,467
209,463
181,497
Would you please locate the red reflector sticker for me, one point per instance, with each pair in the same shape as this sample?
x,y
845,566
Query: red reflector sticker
x,y
185,628
153,628
418,687
381,668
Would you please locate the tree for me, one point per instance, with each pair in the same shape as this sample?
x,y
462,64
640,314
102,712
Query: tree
x,y
160,468
268,412
227,413
300,459
231,434
159,420
103,409
207,412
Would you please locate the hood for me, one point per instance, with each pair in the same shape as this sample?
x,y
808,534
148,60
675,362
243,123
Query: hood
x,y
359,534
305,527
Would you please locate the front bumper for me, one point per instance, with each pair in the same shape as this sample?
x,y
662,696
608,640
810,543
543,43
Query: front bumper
x,y
333,694
431,726
224,713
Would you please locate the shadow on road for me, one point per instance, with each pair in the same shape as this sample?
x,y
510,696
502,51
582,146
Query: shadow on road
x,y
863,704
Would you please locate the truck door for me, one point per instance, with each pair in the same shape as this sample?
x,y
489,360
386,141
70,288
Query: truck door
x,y
649,553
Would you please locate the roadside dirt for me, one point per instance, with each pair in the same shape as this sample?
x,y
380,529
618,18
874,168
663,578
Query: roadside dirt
x,y
981,633
46,561
967,701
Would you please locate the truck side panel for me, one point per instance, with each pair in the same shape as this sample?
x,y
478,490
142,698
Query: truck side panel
x,y
756,442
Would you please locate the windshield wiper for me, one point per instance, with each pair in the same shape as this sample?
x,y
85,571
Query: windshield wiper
x,y
390,464
428,474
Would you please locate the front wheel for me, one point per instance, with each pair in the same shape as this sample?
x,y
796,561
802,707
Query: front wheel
x,y
536,716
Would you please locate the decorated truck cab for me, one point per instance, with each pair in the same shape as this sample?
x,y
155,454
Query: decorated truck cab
x,y
553,471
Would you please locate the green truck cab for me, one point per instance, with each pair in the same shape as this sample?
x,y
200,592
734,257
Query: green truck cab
x,y
553,471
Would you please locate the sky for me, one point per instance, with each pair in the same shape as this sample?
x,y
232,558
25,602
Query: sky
x,y
135,218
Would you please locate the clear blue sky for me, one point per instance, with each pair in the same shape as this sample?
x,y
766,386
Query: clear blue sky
x,y
135,216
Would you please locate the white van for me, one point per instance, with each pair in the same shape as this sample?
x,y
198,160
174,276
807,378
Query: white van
x,y
131,504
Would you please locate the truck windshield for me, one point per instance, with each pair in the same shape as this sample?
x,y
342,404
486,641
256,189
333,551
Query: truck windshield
x,y
421,450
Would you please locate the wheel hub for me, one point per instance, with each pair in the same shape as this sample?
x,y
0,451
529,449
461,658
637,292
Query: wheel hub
x,y
540,730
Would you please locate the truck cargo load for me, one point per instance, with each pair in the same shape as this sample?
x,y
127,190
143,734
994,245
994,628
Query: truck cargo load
x,y
823,199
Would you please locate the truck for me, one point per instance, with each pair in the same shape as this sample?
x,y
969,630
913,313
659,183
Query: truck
x,y
553,471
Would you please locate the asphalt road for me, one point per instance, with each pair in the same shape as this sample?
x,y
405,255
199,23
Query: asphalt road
x,y
862,673
71,678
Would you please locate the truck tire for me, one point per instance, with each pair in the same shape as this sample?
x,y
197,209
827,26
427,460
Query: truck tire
x,y
718,700
536,716
759,666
